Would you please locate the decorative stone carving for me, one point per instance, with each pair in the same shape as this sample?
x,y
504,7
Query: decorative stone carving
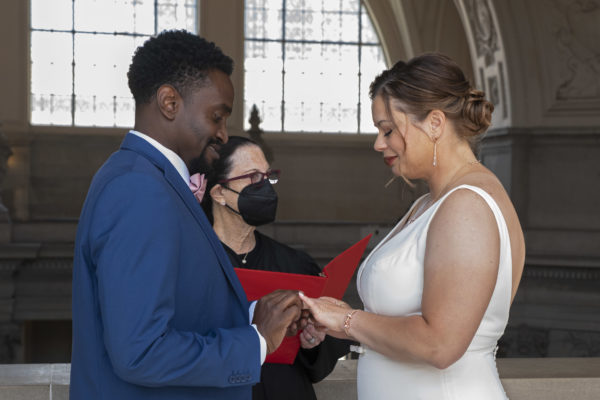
x,y
577,40
256,132
487,53
484,30
254,121
493,91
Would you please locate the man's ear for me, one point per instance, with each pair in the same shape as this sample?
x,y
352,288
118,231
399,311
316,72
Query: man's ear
x,y
169,101
216,193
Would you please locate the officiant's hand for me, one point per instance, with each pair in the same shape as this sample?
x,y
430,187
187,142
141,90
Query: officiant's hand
x,y
312,336
329,312
274,314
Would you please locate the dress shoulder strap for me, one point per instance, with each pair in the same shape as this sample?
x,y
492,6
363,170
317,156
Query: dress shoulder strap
x,y
485,195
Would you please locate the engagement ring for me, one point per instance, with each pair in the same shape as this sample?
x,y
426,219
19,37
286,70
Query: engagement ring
x,y
311,340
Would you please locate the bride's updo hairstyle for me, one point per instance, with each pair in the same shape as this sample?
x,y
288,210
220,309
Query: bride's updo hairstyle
x,y
434,81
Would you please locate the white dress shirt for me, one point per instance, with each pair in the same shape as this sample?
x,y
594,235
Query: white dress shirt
x,y
185,175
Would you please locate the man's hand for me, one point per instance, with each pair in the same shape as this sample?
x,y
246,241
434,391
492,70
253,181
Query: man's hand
x,y
299,324
275,314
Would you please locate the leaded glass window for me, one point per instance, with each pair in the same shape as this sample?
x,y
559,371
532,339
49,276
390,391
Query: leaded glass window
x,y
308,65
81,51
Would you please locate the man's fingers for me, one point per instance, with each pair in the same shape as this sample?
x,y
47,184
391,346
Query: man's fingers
x,y
290,300
284,298
290,315
276,296
293,328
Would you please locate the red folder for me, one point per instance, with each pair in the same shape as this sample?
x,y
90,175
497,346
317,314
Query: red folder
x,y
337,275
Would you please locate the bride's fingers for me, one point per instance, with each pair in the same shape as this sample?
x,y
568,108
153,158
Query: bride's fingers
x,y
306,300
334,301
329,299
312,304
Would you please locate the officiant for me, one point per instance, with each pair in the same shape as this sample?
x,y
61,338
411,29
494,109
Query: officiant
x,y
239,197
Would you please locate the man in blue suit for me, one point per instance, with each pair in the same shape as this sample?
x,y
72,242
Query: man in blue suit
x,y
158,312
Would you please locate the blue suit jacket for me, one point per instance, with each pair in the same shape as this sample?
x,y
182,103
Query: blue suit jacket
x,y
158,312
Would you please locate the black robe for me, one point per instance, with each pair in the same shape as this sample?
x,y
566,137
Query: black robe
x,y
282,381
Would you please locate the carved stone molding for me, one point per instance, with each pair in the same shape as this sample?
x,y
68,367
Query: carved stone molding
x,y
493,89
487,52
483,28
577,33
50,264
561,273
8,265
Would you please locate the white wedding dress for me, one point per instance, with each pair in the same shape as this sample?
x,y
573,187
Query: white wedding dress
x,y
390,282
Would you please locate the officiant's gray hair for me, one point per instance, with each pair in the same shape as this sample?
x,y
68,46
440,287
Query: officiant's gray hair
x,y
221,169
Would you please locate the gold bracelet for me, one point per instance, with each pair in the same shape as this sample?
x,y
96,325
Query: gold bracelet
x,y
347,322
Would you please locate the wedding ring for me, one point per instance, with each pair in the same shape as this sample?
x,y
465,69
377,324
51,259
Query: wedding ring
x,y
311,340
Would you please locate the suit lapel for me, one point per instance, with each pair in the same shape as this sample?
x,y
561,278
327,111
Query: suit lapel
x,y
142,147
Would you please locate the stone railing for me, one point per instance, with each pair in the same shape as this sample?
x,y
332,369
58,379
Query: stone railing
x,y
34,381
523,379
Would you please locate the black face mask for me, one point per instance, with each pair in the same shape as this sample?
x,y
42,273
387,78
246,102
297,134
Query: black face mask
x,y
257,203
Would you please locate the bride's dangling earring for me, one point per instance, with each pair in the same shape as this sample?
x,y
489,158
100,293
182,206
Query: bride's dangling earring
x,y
435,153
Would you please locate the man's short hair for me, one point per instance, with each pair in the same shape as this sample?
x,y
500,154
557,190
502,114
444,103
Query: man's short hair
x,y
176,57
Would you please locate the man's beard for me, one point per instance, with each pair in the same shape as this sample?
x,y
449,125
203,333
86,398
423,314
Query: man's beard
x,y
200,164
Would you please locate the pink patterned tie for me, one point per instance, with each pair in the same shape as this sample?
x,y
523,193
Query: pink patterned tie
x,y
198,186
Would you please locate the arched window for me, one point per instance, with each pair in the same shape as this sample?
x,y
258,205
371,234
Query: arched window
x,y
80,54
308,65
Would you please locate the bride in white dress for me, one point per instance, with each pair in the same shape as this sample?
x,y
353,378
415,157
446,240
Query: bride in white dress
x,y
438,288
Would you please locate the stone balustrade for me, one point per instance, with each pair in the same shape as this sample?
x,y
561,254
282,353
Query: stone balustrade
x,y
523,379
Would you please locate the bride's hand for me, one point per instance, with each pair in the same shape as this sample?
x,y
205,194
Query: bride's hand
x,y
328,312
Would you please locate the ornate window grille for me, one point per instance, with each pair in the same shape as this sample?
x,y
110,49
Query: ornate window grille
x,y
308,65
80,54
